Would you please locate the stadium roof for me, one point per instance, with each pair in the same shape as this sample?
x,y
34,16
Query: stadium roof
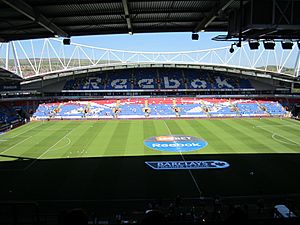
x,y
242,19
28,19
6,75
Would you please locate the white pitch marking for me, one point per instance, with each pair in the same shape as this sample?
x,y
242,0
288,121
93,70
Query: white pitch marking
x,y
46,151
292,142
53,145
194,180
23,132
16,144
274,134
279,125
69,142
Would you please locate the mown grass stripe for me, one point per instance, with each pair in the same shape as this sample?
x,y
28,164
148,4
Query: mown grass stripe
x,y
20,130
135,139
44,140
215,142
81,138
149,131
118,141
11,141
267,126
31,136
277,126
258,139
234,136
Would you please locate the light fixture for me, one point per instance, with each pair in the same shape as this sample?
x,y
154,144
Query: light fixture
x,y
195,36
253,44
298,43
231,50
66,41
287,44
269,44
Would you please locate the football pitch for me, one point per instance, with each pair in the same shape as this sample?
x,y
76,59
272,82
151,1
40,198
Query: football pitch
x,y
74,139
104,160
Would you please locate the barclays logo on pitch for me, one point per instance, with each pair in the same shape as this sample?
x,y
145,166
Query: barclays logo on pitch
x,y
175,143
187,165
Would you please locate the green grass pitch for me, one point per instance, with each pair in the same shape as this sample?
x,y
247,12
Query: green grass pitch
x,y
74,139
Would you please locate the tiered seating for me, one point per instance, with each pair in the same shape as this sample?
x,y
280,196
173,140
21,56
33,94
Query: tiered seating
x,y
152,79
273,108
205,80
8,115
121,80
131,111
146,79
191,110
171,79
250,108
159,108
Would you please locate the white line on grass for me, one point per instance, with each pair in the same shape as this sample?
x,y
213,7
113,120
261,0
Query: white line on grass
x,y
279,125
16,144
53,145
194,180
27,167
22,132
292,142
69,142
274,134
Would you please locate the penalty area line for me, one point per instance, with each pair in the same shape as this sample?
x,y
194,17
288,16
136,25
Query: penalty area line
x,y
276,134
45,152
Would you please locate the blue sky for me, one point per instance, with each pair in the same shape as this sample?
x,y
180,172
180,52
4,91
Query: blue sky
x,y
152,42
160,42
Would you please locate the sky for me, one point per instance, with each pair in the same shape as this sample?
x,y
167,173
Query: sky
x,y
160,42
174,42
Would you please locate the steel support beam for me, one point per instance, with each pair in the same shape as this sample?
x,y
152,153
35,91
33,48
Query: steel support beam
x,y
221,6
127,16
31,13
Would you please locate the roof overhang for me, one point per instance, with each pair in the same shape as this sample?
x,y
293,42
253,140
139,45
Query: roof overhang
x,y
237,70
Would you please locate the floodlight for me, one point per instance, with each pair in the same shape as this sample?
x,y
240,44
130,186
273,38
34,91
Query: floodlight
x,y
231,50
253,44
269,44
195,37
66,41
287,44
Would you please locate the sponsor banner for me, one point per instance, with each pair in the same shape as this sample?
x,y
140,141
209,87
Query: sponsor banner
x,y
10,87
187,165
175,143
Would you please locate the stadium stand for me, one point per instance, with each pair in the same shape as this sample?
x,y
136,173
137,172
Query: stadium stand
x,y
152,79
8,117
159,108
